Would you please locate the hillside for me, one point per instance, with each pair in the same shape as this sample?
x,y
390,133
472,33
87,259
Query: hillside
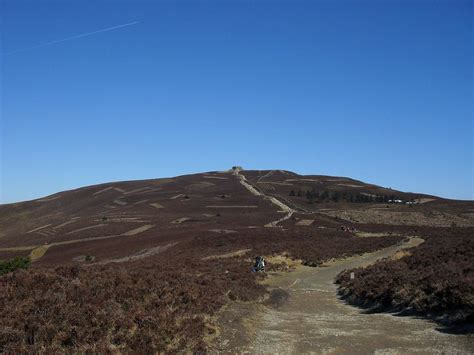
x,y
149,265
100,220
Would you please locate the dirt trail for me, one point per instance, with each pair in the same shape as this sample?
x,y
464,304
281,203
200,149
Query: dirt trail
x,y
313,320
283,207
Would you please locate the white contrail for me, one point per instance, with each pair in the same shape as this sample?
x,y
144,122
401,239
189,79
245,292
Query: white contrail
x,y
72,37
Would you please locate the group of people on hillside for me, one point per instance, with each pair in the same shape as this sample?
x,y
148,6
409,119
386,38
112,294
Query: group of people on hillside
x,y
348,229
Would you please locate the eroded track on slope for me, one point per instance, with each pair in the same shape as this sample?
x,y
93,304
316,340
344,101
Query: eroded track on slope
x,y
257,192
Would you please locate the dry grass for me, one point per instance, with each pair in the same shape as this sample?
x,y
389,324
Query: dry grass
x,y
38,253
241,252
138,230
137,190
223,231
120,203
156,205
424,200
140,255
103,190
305,222
401,254
370,235
47,199
65,224
283,261
39,228
180,220
125,220
215,206
87,228
304,180
140,202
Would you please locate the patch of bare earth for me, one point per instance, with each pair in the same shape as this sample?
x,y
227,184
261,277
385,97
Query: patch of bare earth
x,y
222,231
305,222
241,252
139,255
180,220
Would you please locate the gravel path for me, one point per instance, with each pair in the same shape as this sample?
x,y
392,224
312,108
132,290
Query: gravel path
x,y
314,320
283,207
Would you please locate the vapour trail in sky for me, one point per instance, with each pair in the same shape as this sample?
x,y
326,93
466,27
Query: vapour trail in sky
x,y
72,38
379,91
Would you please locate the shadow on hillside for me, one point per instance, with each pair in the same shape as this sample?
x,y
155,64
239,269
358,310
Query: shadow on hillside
x,y
445,323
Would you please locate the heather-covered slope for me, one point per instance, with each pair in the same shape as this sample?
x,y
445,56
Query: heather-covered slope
x,y
164,302
436,279
145,265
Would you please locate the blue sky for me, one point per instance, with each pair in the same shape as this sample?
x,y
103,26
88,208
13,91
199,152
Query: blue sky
x,y
381,91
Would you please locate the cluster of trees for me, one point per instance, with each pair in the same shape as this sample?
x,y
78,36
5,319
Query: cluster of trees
x,y
14,264
337,196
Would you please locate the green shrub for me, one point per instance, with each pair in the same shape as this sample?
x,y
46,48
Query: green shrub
x,y
14,264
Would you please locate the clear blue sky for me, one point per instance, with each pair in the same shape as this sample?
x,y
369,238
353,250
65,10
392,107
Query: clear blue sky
x,y
381,91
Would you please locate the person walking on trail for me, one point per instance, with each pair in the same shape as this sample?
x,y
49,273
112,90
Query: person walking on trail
x,y
259,264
